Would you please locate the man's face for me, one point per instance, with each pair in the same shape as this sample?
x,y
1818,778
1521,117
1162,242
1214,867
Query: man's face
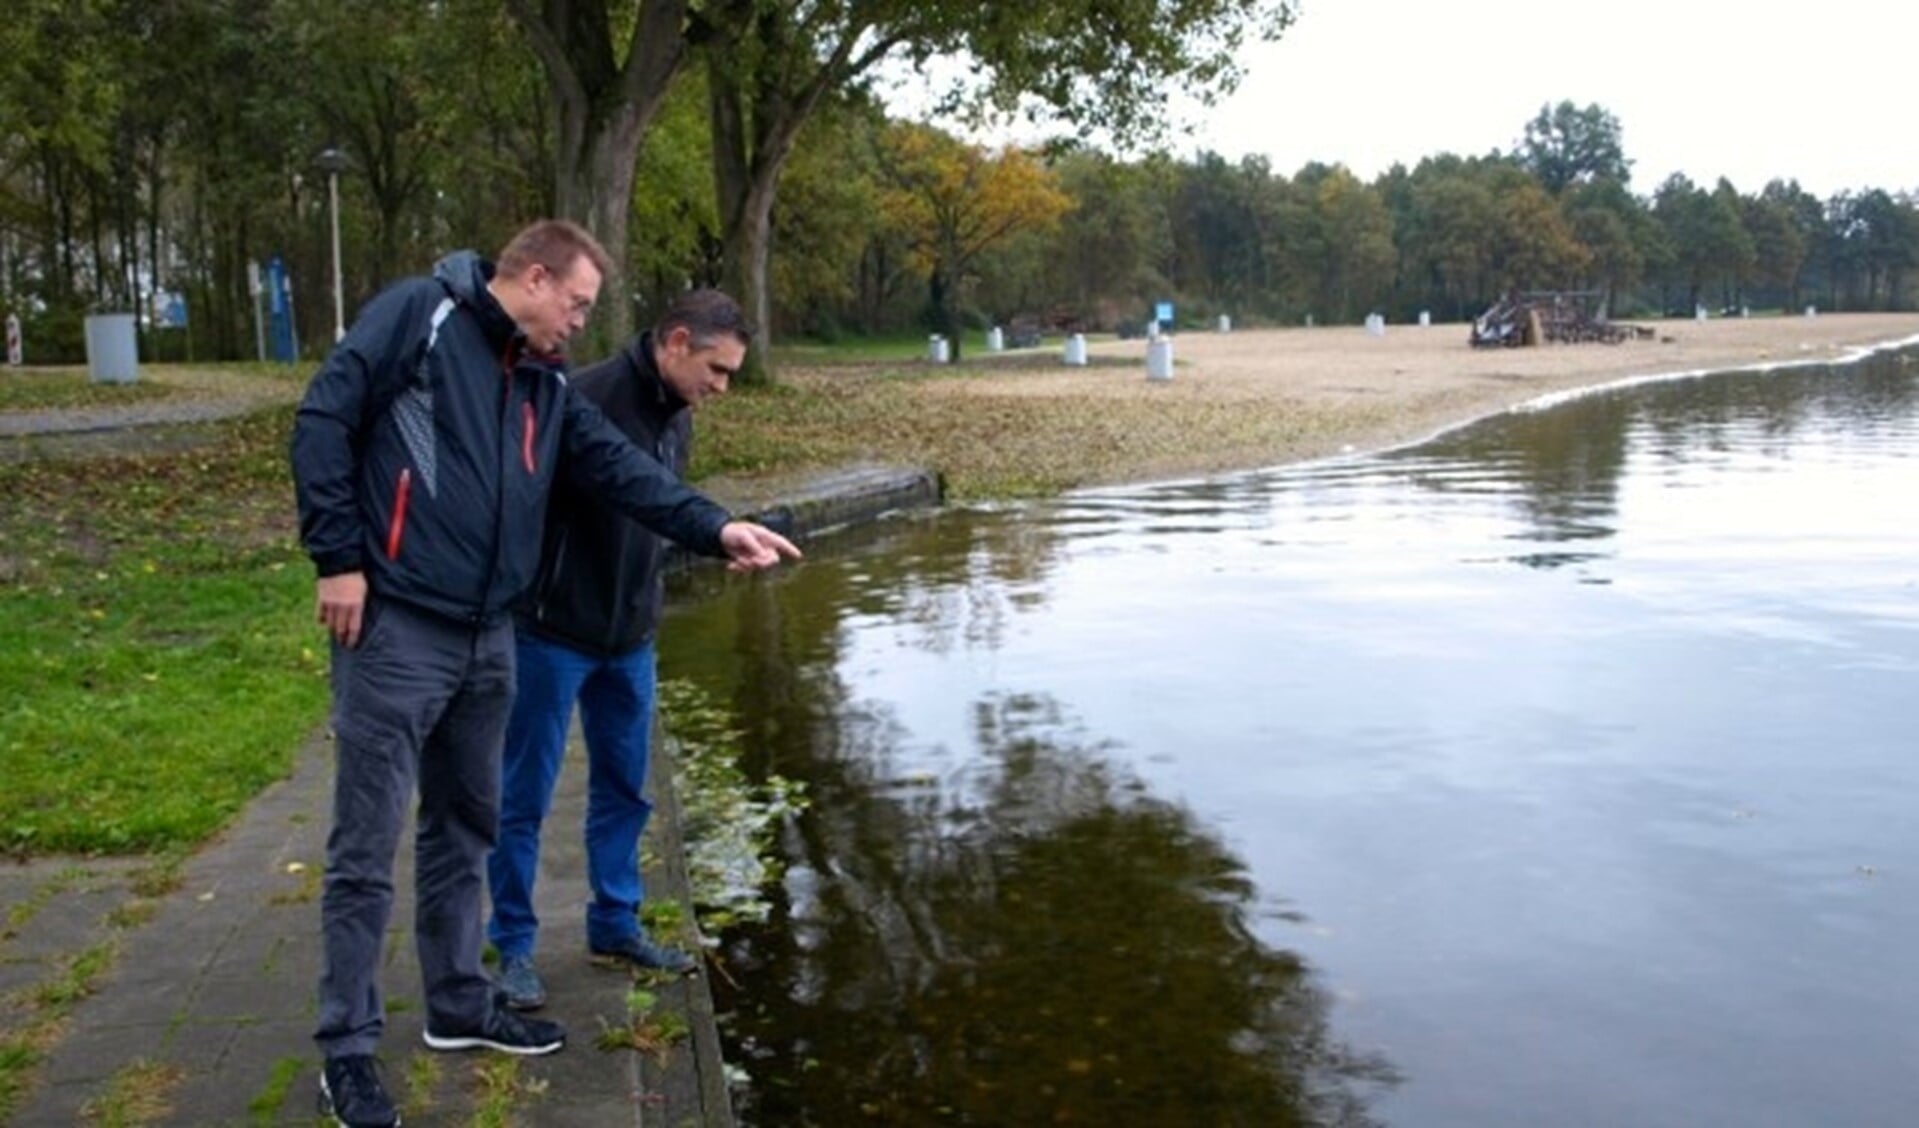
x,y
698,372
557,305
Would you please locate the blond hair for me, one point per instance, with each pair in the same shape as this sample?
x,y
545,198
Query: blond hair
x,y
553,243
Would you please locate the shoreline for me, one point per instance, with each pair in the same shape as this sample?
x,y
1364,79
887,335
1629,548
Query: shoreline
x,y
1256,399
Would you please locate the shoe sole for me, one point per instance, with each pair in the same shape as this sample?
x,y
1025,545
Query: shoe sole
x,y
435,1042
326,1107
621,963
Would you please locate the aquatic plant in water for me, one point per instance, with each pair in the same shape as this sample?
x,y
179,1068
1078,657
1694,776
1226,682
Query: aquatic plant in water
x,y
728,822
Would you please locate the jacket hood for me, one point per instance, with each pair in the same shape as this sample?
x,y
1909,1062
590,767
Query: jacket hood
x,y
465,275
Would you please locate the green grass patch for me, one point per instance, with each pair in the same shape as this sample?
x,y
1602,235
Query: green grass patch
x,y
51,389
264,1108
423,1074
502,1091
139,1093
157,627
28,907
18,1059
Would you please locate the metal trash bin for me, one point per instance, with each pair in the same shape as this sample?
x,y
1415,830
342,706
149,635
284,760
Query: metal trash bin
x,y
113,351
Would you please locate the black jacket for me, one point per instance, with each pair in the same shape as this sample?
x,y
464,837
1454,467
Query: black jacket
x,y
599,586
427,443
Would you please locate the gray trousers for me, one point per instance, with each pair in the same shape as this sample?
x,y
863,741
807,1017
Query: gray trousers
x,y
421,702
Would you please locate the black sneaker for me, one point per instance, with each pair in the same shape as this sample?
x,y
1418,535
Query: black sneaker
x,y
640,952
504,1030
351,1093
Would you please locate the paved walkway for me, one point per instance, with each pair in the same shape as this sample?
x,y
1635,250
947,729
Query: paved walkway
x,y
213,995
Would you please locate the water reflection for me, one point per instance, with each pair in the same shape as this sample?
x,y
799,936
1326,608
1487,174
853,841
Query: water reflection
x,y
1557,764
1014,931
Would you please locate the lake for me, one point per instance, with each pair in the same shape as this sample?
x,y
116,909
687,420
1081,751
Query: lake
x,y
1557,770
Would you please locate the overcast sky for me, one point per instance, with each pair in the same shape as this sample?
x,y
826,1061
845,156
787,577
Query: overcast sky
x,y
1750,91
1819,91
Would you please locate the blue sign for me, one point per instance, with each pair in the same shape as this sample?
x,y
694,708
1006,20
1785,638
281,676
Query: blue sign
x,y
1163,313
280,316
174,315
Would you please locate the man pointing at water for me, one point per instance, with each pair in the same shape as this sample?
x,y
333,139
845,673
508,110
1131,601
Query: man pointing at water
x,y
423,454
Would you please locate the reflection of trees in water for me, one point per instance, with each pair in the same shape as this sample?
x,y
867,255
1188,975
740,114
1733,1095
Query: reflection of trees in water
x,y
1033,940
1567,461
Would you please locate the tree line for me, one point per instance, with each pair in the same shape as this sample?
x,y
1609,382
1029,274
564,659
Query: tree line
x,y
167,145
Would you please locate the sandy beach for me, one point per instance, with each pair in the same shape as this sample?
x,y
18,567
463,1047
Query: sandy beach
x,y
1270,396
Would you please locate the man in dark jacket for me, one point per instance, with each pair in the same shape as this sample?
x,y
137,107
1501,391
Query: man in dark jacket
x,y
585,634
422,456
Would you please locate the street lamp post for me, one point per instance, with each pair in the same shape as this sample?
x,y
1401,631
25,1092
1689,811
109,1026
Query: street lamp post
x,y
332,161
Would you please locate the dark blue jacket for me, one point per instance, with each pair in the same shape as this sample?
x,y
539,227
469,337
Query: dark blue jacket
x,y
599,588
427,443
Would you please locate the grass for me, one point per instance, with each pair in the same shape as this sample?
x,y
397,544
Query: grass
x,y
42,1014
156,628
264,1108
48,389
501,1091
137,1094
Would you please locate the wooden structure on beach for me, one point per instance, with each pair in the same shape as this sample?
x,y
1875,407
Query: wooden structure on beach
x,y
1561,317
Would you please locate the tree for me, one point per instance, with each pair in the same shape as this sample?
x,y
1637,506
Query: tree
x,y
605,100
954,200
1450,231
1567,145
1113,245
1533,246
1611,224
1779,247
1709,244
1806,216
1219,252
770,62
1355,240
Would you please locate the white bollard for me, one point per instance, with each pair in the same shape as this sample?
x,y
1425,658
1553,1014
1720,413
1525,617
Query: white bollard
x,y
1376,324
1425,318
15,356
1812,311
1076,350
1699,313
995,340
1159,359
1152,330
1225,323
936,349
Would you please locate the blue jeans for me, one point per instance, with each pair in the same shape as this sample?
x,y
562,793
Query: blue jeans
x,y
616,714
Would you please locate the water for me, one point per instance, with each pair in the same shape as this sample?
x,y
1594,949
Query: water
x,y
1557,771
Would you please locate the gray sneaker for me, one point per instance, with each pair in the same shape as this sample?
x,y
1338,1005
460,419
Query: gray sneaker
x,y
520,983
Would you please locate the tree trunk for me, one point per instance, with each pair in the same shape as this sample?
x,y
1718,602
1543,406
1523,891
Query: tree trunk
x,y
595,189
604,113
747,160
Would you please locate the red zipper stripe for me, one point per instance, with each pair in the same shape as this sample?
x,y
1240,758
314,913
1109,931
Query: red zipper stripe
x,y
397,526
526,436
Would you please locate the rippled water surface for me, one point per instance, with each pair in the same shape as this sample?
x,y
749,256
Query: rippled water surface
x,y
1561,770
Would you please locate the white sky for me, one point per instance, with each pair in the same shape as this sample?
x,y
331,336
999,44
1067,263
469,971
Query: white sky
x,y
1820,91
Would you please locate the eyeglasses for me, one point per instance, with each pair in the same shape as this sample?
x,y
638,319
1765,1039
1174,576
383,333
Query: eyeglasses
x,y
577,304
